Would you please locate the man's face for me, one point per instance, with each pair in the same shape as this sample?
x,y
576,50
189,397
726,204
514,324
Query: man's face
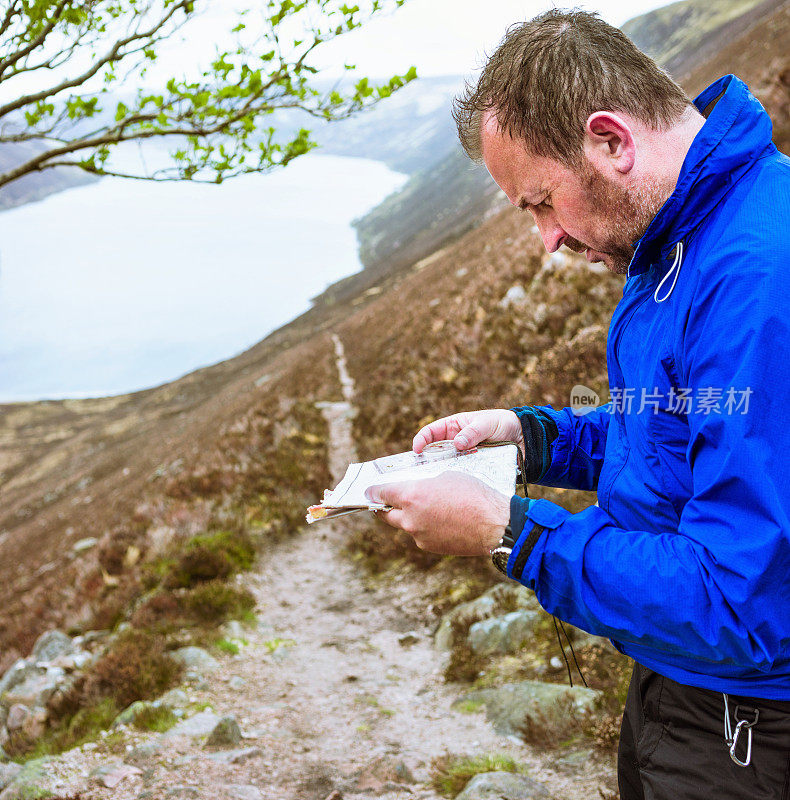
x,y
583,209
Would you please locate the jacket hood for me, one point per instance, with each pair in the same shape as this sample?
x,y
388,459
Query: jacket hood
x,y
736,133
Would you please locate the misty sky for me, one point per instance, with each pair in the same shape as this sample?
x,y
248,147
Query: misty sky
x,y
440,37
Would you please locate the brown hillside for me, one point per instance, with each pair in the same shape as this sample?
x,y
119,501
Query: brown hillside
x,y
240,443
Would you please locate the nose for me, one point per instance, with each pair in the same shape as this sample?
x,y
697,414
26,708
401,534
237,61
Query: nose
x,y
550,231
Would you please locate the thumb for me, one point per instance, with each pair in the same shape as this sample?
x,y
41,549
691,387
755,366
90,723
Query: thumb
x,y
472,435
384,494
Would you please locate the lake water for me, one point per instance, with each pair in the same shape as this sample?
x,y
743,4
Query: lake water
x,y
123,285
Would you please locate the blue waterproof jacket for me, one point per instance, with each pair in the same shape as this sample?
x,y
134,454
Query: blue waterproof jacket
x,y
685,561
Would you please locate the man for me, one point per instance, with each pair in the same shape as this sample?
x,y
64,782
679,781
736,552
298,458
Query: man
x,y
685,561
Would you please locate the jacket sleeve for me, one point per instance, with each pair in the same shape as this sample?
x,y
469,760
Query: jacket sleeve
x,y
575,454
716,588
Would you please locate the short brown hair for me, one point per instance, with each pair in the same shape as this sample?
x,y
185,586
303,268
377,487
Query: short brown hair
x,y
549,74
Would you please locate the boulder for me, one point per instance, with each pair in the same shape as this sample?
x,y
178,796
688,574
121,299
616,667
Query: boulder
x,y
7,773
17,715
514,707
503,786
37,689
52,644
195,659
506,634
226,733
111,774
200,724
17,673
497,601
30,781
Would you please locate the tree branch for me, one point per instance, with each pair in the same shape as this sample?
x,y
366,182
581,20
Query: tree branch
x,y
110,56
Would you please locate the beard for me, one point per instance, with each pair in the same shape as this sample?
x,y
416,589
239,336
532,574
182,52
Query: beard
x,y
628,213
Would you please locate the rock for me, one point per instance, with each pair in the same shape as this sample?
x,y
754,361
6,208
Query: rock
x,y
195,659
506,634
408,639
35,723
241,792
83,545
7,773
226,733
183,791
232,629
52,644
236,683
37,689
110,775
498,600
503,785
144,752
236,756
17,673
175,698
199,725
72,661
515,706
130,713
29,782
17,715
515,296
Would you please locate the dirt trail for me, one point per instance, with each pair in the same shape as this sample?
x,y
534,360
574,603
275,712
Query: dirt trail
x,y
330,696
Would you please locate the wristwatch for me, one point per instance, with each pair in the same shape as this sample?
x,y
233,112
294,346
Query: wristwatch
x,y
501,553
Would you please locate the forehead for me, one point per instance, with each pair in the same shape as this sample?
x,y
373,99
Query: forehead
x,y
518,171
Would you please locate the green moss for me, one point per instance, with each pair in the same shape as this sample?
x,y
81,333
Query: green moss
x,y
450,774
155,718
215,602
83,727
230,646
469,706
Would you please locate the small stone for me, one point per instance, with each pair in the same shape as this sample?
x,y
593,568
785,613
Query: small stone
x,y
83,545
7,773
505,634
226,733
143,752
175,698
17,673
195,659
496,785
200,724
182,791
237,756
232,629
515,296
236,683
110,775
239,792
17,715
408,639
52,644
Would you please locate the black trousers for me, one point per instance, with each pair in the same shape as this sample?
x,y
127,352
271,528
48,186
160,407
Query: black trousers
x,y
672,744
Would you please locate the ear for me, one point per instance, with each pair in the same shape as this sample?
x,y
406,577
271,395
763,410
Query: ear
x,y
609,141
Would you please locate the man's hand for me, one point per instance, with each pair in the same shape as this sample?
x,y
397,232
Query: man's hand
x,y
469,428
453,513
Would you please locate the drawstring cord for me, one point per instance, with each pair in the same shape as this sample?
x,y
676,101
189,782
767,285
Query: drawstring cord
x,y
731,737
573,654
675,268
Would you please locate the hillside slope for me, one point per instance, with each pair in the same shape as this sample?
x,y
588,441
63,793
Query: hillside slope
x,y
692,39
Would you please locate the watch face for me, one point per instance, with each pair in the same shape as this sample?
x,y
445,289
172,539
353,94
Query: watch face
x,y
500,557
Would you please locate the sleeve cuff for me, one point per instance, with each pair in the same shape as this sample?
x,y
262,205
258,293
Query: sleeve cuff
x,y
526,533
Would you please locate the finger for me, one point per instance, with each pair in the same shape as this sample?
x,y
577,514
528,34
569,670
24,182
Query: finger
x,y
436,431
475,432
387,494
393,518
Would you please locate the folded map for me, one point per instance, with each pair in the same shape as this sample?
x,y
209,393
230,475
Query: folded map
x,y
496,464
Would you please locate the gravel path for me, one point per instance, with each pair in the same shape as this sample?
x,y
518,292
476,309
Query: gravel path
x,y
329,691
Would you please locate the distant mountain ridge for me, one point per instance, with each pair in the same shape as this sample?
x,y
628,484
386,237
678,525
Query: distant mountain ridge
x,y
443,201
